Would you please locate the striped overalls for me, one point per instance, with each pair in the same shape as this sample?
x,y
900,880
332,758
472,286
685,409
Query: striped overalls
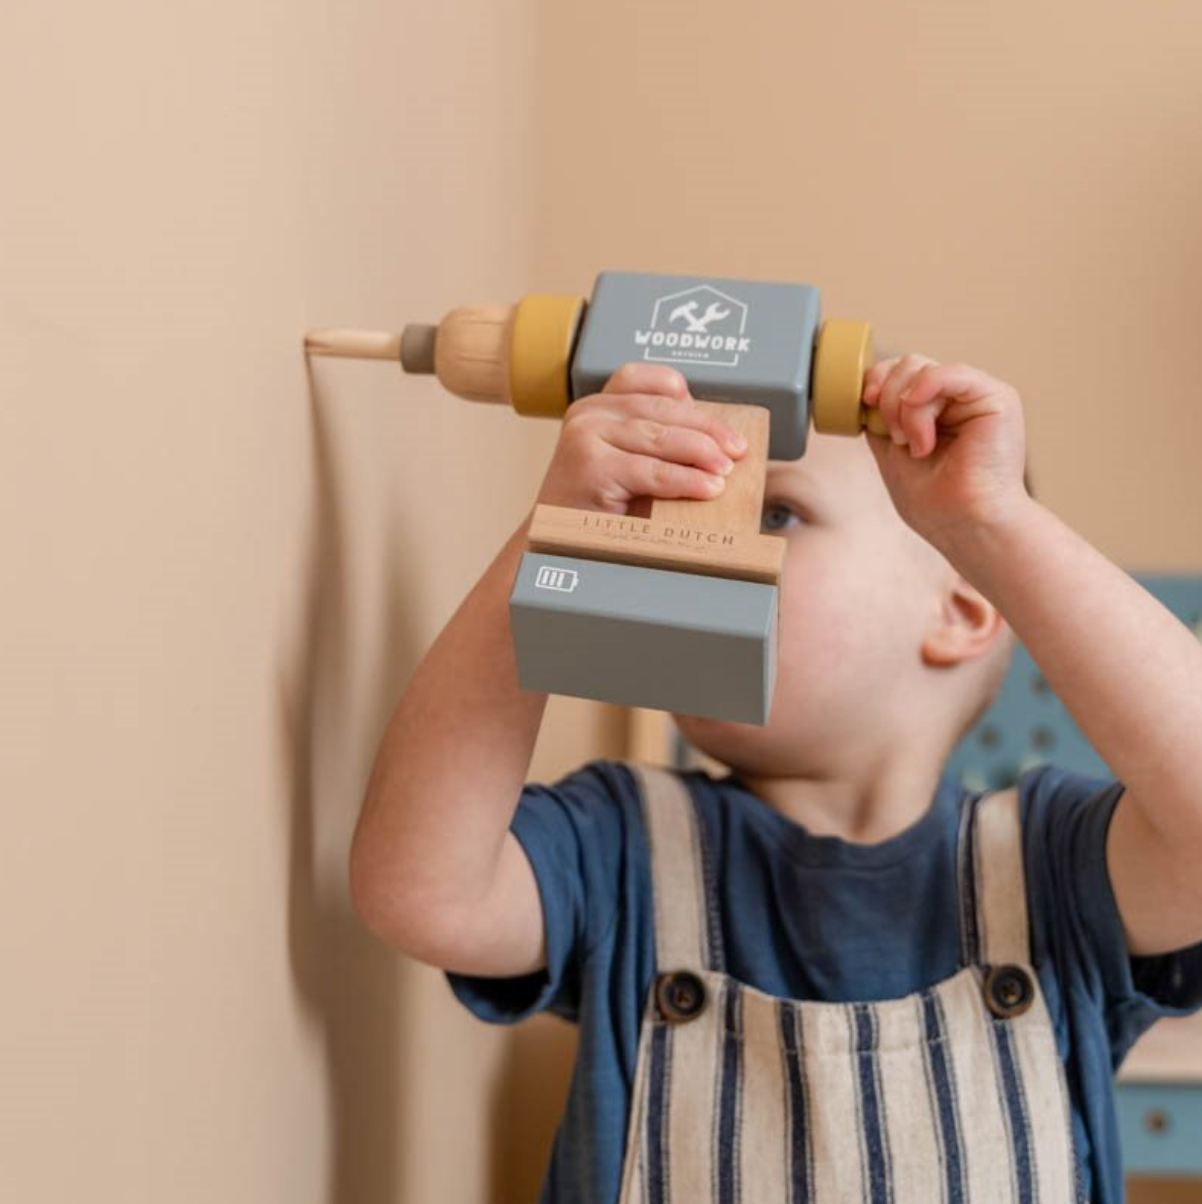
x,y
953,1093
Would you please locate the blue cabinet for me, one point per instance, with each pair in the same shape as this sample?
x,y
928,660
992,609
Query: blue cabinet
x,y
1161,1127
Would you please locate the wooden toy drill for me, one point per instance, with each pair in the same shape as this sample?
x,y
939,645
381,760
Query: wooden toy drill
x,y
675,605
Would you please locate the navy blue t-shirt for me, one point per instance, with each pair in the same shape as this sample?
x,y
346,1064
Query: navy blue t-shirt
x,y
816,917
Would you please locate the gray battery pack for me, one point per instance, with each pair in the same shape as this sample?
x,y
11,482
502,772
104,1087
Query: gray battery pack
x,y
671,641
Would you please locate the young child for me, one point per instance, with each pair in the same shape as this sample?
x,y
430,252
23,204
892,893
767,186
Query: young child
x,y
832,974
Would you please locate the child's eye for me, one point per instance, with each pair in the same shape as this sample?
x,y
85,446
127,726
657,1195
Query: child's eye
x,y
776,517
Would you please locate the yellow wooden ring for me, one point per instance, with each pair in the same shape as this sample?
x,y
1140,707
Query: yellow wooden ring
x,y
842,354
540,349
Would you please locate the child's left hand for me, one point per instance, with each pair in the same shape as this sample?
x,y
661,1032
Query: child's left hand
x,y
958,449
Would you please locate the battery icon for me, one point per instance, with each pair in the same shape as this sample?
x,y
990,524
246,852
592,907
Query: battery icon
x,y
549,577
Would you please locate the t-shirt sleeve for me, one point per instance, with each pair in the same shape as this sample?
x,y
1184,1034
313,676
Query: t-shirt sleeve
x,y
1066,820
573,834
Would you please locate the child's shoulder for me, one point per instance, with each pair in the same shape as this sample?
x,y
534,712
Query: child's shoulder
x,y
598,800
1054,795
618,779
607,798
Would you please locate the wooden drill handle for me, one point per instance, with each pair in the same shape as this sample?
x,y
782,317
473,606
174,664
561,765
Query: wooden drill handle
x,y
738,507
719,536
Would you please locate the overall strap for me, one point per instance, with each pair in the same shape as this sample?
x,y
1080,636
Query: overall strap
x,y
998,879
684,927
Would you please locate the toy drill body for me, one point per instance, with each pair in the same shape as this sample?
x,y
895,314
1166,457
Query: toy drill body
x,y
733,341
674,609
753,342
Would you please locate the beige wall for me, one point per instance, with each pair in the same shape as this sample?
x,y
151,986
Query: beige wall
x,y
218,568
218,571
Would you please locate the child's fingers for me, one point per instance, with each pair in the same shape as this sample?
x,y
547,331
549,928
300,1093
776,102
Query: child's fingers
x,y
877,374
670,411
681,444
918,410
649,476
945,395
636,377
958,382
918,423
875,377
895,383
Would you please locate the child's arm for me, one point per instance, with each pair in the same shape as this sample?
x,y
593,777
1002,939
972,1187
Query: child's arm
x,y
1127,669
434,868
1130,674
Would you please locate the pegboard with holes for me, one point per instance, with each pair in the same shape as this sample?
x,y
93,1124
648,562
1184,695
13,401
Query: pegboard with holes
x,y
1028,725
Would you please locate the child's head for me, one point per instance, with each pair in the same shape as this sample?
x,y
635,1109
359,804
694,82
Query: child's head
x,y
885,652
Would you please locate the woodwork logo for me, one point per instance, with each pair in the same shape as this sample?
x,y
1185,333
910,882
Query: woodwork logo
x,y
700,325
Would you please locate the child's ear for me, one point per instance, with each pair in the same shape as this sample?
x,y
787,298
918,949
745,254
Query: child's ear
x,y
965,626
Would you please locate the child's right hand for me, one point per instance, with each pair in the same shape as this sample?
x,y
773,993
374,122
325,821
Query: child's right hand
x,y
643,435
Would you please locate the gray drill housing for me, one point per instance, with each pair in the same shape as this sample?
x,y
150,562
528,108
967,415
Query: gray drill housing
x,y
675,641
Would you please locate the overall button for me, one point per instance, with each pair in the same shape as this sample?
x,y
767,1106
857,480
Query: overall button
x,y
1008,990
680,995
